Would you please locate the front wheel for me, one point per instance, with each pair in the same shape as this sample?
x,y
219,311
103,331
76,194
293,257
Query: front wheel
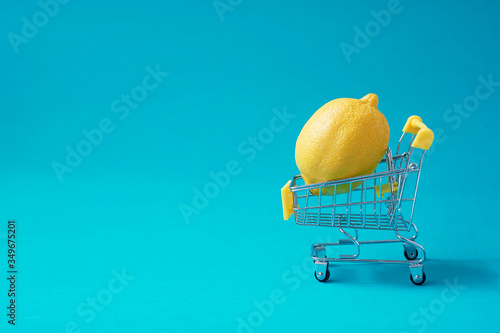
x,y
325,278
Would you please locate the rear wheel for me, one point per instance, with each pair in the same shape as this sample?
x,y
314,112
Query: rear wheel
x,y
418,280
411,255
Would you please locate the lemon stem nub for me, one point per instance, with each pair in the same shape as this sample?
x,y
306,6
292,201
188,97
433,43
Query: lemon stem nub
x,y
371,99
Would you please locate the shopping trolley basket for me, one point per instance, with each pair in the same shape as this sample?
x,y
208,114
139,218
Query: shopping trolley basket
x,y
383,200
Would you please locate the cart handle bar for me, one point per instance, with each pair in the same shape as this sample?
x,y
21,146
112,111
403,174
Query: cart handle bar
x,y
424,136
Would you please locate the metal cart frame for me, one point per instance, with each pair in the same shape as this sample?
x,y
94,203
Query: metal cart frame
x,y
383,200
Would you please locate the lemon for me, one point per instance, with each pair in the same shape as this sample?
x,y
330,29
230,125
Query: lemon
x,y
345,138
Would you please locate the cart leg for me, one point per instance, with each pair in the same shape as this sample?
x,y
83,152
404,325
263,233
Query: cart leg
x,y
417,275
320,251
321,266
348,241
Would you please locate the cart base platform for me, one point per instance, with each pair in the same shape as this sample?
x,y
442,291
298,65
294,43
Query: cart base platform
x,y
413,252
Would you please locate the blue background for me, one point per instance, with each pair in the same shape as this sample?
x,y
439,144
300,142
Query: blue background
x,y
118,210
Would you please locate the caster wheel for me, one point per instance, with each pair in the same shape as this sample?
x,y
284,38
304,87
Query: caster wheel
x,y
422,280
412,255
327,276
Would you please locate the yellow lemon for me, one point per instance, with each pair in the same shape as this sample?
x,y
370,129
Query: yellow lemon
x,y
345,138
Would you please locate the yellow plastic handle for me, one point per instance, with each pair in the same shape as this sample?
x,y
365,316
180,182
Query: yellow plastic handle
x,y
386,188
287,200
425,136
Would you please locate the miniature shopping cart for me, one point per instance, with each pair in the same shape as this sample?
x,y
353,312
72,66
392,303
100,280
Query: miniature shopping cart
x,y
383,200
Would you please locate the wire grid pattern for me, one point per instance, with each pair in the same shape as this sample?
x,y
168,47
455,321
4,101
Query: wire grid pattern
x,y
360,207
